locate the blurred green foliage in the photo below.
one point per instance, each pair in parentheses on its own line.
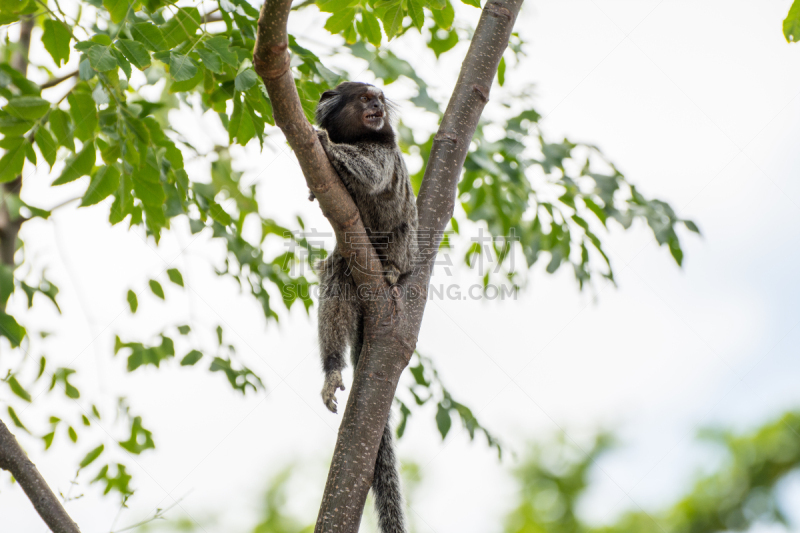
(737,495)
(554,477)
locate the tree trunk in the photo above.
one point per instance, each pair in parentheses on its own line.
(392,322)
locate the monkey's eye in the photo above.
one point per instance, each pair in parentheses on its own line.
(364,99)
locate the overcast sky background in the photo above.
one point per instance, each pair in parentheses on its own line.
(696,102)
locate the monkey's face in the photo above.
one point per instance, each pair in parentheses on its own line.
(372,108)
(355,112)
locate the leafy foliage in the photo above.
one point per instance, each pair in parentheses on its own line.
(107,127)
(428,387)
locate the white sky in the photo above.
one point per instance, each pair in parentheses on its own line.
(696,102)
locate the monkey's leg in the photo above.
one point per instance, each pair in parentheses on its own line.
(338,317)
(386,486)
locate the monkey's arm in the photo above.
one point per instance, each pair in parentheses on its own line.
(372,168)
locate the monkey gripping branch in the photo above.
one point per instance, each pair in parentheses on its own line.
(392,318)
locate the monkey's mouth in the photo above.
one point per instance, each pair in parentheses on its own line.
(377,115)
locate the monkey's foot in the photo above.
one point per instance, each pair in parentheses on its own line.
(392,274)
(333,381)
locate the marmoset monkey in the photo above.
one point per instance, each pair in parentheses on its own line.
(358,138)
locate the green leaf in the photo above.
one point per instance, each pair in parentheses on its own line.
(101,58)
(791,25)
(335,6)
(149,35)
(501,72)
(245,79)
(140,439)
(79,165)
(30,153)
(56,37)
(219,214)
(691,226)
(6,284)
(340,20)
(443,421)
(221,46)
(241,125)
(61,128)
(123,201)
(393,19)
(91,456)
(188,85)
(48,439)
(416,13)
(181,67)
(444,17)
(675,249)
(405,412)
(134,52)
(210,60)
(419,375)
(118,9)
(175,276)
(73,436)
(103,185)
(27,107)
(11,126)
(184,330)
(83,111)
(474,3)
(47,145)
(110,153)
(156,288)
(133,301)
(370,28)
(439,45)
(17,389)
(11,330)
(148,188)
(13,160)
(191,358)
(14,418)
(182,27)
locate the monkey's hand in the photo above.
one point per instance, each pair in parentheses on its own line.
(333,381)
(322,135)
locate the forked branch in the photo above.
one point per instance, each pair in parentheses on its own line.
(390,331)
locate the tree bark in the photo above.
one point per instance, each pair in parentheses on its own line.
(392,321)
(13,459)
(12,456)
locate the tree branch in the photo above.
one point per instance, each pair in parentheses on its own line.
(12,456)
(55,81)
(391,324)
(437,193)
(271,62)
(13,459)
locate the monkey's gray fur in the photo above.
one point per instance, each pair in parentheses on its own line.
(358,138)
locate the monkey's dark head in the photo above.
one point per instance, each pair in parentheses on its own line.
(355,112)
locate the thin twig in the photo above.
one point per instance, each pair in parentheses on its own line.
(56,81)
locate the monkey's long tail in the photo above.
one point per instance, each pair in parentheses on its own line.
(386,486)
